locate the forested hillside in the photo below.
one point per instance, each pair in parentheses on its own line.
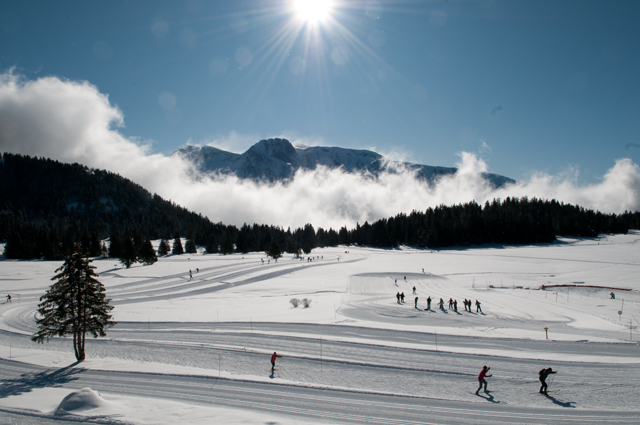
(47,206)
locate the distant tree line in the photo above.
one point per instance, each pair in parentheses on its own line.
(47,207)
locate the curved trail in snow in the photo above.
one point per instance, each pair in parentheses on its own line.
(318,404)
(339,373)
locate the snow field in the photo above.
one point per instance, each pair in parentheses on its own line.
(235,311)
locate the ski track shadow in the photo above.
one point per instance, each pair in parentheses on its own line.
(47,378)
(562,403)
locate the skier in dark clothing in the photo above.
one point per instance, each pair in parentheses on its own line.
(481,380)
(428,304)
(414,290)
(450,303)
(543,376)
(402,296)
(465,304)
(455,305)
(416,300)
(8,298)
(273,361)
(612,296)
(441,304)
(478,309)
(398,297)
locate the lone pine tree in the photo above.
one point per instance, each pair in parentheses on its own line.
(147,253)
(177,245)
(75,305)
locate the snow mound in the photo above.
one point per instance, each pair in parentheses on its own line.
(81,401)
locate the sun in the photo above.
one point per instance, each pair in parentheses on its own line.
(312,11)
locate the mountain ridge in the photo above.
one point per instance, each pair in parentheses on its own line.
(277,159)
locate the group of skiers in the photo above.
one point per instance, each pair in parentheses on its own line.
(453,304)
(542,376)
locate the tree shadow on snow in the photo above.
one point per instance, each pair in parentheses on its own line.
(562,403)
(47,378)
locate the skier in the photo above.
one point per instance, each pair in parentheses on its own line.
(8,298)
(402,297)
(197,270)
(273,361)
(190,275)
(543,376)
(441,304)
(455,305)
(481,380)
(416,301)
(478,309)
(414,290)
(423,270)
(428,304)
(612,296)
(465,304)
(398,297)
(450,303)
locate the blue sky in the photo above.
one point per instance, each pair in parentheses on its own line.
(526,85)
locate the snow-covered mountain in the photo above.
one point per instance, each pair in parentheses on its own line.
(278,160)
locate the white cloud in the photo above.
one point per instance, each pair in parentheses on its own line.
(73,122)
(232,141)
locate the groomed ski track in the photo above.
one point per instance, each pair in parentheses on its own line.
(332,406)
(350,372)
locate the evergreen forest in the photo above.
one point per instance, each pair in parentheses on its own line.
(46,207)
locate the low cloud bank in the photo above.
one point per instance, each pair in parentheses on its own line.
(73,122)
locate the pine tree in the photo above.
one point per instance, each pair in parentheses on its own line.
(212,246)
(128,254)
(75,305)
(177,246)
(190,247)
(95,245)
(274,250)
(147,253)
(226,246)
(115,245)
(163,248)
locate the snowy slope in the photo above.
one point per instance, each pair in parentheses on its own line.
(278,160)
(355,355)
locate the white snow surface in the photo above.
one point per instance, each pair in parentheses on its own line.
(197,350)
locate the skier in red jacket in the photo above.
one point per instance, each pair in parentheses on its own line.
(273,361)
(481,380)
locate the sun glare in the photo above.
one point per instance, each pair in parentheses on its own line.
(312,11)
